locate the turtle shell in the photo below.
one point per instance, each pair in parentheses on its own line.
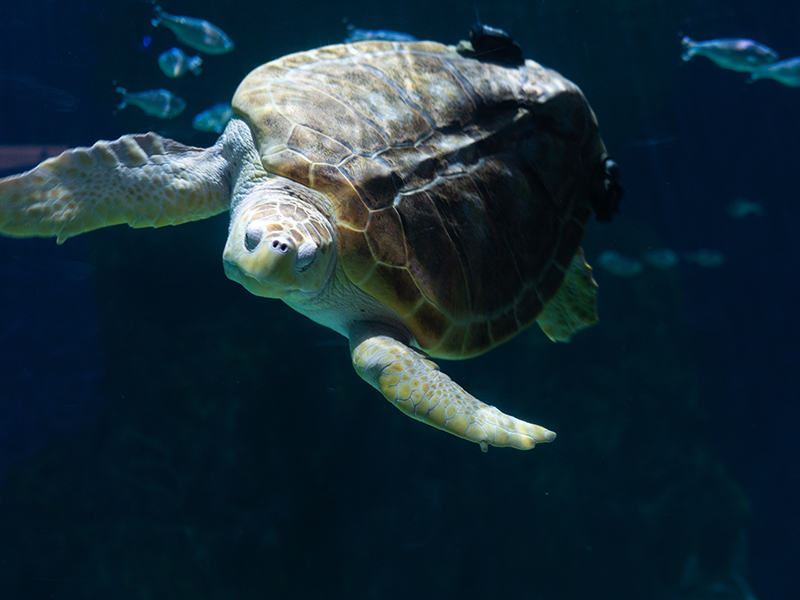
(460,189)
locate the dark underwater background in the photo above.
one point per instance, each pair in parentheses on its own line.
(164,434)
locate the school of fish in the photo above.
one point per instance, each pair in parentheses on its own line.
(199,35)
(735,54)
(745,56)
(622,265)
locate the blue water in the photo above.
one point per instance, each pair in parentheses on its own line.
(165,434)
(52,360)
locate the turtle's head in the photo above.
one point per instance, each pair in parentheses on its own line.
(280,245)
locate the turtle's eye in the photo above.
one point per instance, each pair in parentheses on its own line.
(252,238)
(306,254)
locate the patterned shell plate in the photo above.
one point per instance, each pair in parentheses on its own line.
(460,189)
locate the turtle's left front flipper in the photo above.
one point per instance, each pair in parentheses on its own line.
(416,386)
(142,180)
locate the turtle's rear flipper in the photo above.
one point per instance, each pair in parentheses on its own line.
(142,180)
(574,306)
(416,386)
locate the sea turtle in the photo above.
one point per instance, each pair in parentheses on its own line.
(422,200)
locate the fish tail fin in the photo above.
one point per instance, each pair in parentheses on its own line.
(689,46)
(156,21)
(195,65)
(124,101)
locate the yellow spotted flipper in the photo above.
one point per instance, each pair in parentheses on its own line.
(416,386)
(142,180)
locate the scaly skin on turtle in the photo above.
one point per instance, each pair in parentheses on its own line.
(419,202)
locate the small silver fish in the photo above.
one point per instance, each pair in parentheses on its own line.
(661,258)
(362,35)
(620,265)
(174,63)
(195,33)
(786,72)
(741,207)
(706,258)
(157,103)
(213,119)
(735,54)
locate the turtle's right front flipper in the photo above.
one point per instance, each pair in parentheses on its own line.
(416,386)
(142,180)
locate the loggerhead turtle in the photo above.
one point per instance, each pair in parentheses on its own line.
(418,198)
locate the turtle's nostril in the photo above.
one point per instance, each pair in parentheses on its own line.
(280,246)
(252,238)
